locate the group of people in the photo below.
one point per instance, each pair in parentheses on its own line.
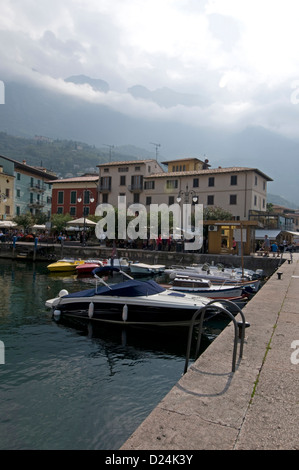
(276,249)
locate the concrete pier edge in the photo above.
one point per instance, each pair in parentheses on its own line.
(254,408)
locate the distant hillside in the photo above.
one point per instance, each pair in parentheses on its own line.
(65,157)
(280,201)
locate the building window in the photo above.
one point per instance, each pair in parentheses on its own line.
(60,197)
(86,196)
(210,200)
(255,200)
(137,168)
(105,198)
(233,199)
(18,193)
(171,184)
(255,180)
(59,210)
(18,176)
(18,210)
(73,197)
(148,200)
(170,200)
(105,183)
(136,198)
(72,211)
(106,170)
(123,169)
(122,180)
(264,203)
(149,185)
(233,180)
(211,181)
(195,182)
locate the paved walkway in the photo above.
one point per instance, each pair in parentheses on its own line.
(257,407)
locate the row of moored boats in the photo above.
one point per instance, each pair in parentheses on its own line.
(190,289)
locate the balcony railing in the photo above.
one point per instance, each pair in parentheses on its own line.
(37,188)
(104,188)
(36,204)
(137,187)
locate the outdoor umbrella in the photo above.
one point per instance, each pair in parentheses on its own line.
(82,222)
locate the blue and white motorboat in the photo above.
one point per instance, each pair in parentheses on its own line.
(130,302)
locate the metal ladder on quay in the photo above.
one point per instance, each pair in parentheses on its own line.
(239,330)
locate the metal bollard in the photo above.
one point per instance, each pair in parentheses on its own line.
(279,275)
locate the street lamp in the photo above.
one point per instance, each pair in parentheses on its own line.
(186,195)
(86,200)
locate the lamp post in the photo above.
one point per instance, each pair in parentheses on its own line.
(186,194)
(86,201)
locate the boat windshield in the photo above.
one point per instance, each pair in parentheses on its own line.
(131,288)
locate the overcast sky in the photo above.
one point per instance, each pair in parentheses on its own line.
(240,56)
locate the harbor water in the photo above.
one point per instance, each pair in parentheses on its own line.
(72,386)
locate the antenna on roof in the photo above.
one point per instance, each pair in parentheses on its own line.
(110,150)
(156,145)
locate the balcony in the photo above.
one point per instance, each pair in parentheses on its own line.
(104,188)
(37,188)
(135,188)
(36,204)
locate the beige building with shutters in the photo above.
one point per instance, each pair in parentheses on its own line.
(235,189)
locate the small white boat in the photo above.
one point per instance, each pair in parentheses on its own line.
(143,268)
(121,263)
(206,288)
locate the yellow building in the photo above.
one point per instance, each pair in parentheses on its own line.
(222,234)
(6,195)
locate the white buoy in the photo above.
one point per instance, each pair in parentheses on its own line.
(125,313)
(57,314)
(63,292)
(91,309)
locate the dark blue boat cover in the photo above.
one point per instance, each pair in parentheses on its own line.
(132,288)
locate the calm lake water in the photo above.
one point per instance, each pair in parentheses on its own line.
(69,387)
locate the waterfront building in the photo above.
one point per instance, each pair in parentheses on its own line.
(77,196)
(29,188)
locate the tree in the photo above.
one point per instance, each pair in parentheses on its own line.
(26,221)
(59,221)
(216,213)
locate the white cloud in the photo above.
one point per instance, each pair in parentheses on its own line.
(242,56)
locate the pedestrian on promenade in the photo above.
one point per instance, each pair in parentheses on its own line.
(266,245)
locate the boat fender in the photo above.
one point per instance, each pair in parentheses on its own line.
(90,310)
(56,314)
(62,293)
(125,313)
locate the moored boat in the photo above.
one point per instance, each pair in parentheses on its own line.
(143,268)
(131,302)
(88,266)
(65,265)
(205,287)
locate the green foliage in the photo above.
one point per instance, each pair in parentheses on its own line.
(63,157)
(216,213)
(26,221)
(59,221)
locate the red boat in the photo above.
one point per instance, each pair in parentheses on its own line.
(88,266)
